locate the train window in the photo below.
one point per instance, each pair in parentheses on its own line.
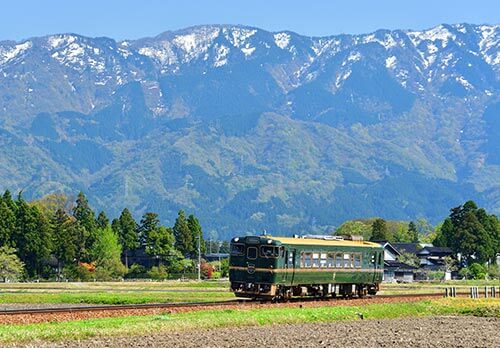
(380,259)
(252,253)
(268,251)
(338,261)
(322,260)
(237,249)
(315,259)
(330,260)
(357,260)
(347,260)
(282,251)
(307,259)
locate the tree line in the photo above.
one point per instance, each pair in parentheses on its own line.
(469,231)
(56,237)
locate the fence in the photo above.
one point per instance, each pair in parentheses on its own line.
(475,292)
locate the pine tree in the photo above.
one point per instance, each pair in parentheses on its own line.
(160,243)
(183,237)
(7,224)
(7,198)
(85,217)
(149,223)
(196,232)
(412,231)
(102,221)
(64,234)
(127,233)
(32,237)
(379,230)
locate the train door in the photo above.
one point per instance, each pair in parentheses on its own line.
(290,265)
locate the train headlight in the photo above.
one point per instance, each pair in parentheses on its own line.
(236,239)
(269,241)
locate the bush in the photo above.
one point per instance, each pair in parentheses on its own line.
(158,273)
(436,275)
(207,270)
(477,271)
(136,271)
(78,272)
(494,271)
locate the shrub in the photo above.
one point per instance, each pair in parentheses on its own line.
(158,273)
(207,270)
(478,271)
(136,271)
(78,272)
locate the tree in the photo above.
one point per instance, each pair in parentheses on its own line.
(32,237)
(354,228)
(102,221)
(64,234)
(183,237)
(409,259)
(127,232)
(379,230)
(85,217)
(149,223)
(471,232)
(413,232)
(11,267)
(106,252)
(7,223)
(160,243)
(196,233)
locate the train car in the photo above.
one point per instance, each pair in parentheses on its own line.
(266,267)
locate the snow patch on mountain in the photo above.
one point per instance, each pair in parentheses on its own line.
(390,62)
(7,55)
(439,33)
(282,40)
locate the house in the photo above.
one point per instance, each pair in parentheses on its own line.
(394,270)
(433,258)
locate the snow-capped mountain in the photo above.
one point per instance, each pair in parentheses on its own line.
(374,107)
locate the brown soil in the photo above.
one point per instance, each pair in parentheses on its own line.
(425,332)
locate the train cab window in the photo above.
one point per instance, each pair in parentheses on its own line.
(315,260)
(252,253)
(347,260)
(268,251)
(322,260)
(357,260)
(307,259)
(338,261)
(330,261)
(237,249)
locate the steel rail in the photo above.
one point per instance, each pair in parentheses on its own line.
(197,305)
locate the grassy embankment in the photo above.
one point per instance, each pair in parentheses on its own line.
(143,325)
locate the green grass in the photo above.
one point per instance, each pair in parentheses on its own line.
(113,297)
(114,292)
(213,319)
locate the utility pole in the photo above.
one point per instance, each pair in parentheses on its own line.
(199,258)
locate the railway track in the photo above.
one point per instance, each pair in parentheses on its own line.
(196,305)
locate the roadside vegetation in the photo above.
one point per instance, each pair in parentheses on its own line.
(143,325)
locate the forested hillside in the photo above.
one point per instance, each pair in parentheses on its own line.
(257,130)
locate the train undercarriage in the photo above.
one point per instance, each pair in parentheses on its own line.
(280,292)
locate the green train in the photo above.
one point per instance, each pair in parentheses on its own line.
(279,268)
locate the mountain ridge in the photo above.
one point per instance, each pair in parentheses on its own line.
(213,112)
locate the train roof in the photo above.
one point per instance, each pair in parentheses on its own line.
(324,242)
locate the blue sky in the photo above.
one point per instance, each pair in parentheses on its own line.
(127,19)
